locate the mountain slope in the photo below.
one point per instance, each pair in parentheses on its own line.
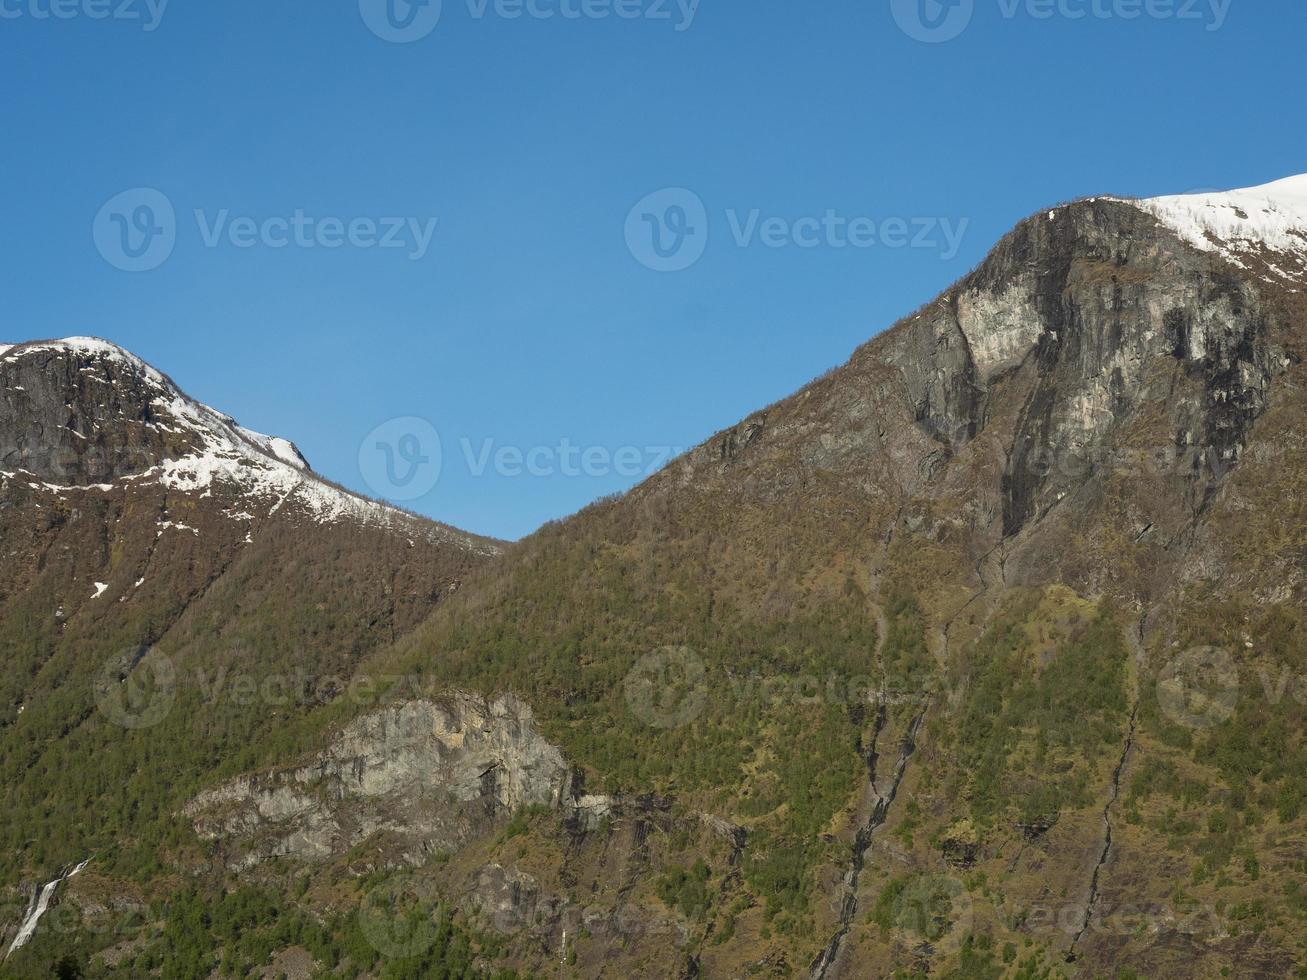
(1017,518)
(976,657)
(158,561)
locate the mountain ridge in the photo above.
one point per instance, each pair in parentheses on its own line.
(218,448)
(983,547)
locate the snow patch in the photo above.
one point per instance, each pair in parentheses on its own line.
(1235,223)
(262,468)
(277,447)
(99,589)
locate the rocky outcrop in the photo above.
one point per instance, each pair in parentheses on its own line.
(82,411)
(1079,314)
(84,414)
(423,777)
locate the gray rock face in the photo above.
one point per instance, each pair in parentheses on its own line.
(1096,378)
(83,411)
(427,775)
(1074,312)
(82,417)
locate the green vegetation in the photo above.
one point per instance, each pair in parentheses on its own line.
(238,933)
(1038,715)
(686,891)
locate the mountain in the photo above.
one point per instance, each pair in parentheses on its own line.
(1050,522)
(146,534)
(979,656)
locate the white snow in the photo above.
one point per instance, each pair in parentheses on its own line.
(1234,223)
(57,488)
(282,449)
(85,345)
(164,525)
(35,911)
(261,467)
(99,589)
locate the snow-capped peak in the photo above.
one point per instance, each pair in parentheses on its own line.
(84,345)
(214,449)
(202,419)
(1272,217)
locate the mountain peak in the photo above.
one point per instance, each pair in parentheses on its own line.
(1246,221)
(82,413)
(91,352)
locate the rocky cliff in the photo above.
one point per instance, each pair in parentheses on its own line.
(160,562)
(1014,518)
(428,776)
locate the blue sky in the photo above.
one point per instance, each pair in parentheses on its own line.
(820,140)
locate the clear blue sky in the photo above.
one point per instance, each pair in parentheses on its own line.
(529,321)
